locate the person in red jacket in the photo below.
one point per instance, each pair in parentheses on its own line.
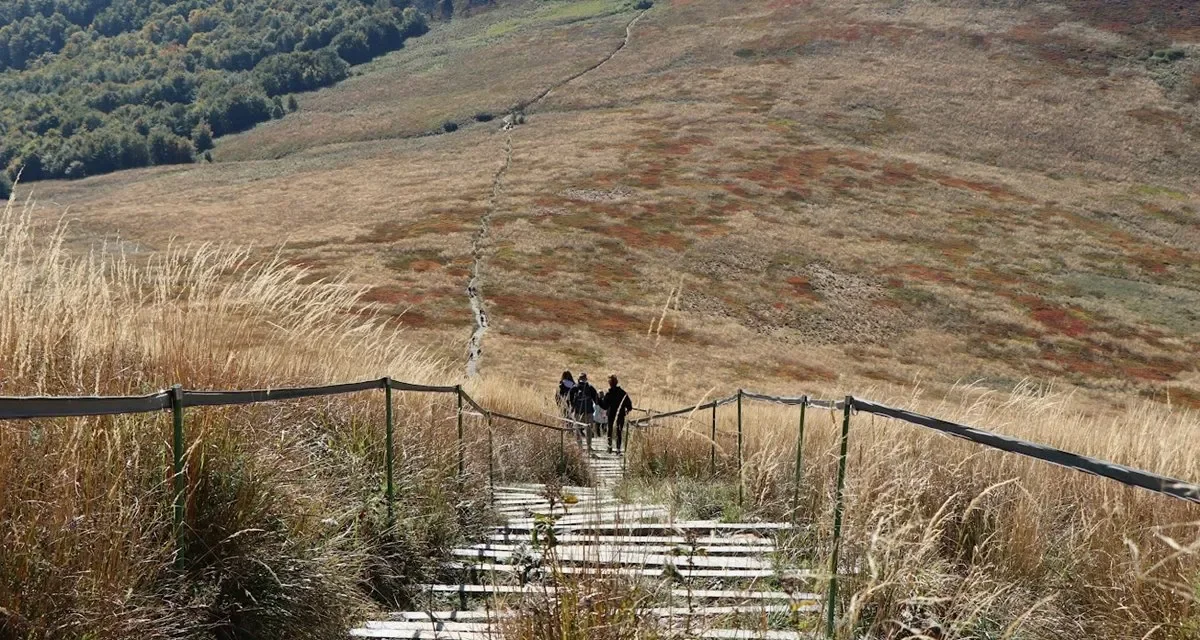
(618,405)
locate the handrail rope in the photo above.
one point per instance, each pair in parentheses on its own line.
(22,408)
(1111,470)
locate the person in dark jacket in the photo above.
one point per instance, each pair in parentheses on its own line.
(563,397)
(583,403)
(618,404)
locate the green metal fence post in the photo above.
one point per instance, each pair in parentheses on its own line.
(799,461)
(837,518)
(712,447)
(741,488)
(390,454)
(461,444)
(179,478)
(491,464)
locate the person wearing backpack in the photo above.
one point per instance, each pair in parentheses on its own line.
(618,404)
(583,404)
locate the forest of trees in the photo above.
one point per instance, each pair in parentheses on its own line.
(94,86)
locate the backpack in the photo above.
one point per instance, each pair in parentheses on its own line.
(581,398)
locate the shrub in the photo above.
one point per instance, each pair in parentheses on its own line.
(484,116)
(6,186)
(642,5)
(75,170)
(449,126)
(202,137)
(168,148)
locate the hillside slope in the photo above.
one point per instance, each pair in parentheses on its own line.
(775,192)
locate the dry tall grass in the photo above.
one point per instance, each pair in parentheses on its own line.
(286,530)
(948,540)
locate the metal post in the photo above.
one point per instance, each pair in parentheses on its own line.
(390,454)
(741,488)
(179,479)
(491,465)
(837,518)
(712,447)
(461,445)
(799,461)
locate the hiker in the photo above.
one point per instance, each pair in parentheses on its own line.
(618,405)
(563,397)
(600,415)
(583,404)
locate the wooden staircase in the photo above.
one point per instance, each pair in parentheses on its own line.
(717,579)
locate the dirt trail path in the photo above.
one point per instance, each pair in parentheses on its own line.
(482,236)
(624,43)
(478,247)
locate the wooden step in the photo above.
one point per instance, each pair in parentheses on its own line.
(679,549)
(626,556)
(573,538)
(697,525)
(636,570)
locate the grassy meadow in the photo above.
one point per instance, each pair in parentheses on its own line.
(982,211)
(286,533)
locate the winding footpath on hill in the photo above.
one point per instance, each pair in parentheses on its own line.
(478,247)
(483,234)
(703,578)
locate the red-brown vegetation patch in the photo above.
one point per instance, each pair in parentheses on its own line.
(1157,117)
(637,237)
(1069,56)
(578,313)
(801,287)
(895,174)
(927,274)
(1078,361)
(683,146)
(1068,322)
(390,294)
(994,191)
(1184,397)
(995,279)
(415,319)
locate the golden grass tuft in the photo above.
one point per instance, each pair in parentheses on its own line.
(944,538)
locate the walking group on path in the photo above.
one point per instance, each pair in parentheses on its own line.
(594,412)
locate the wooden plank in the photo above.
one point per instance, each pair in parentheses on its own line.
(749,634)
(436,625)
(572,538)
(463,589)
(453,616)
(733,594)
(685,572)
(681,549)
(627,556)
(421,634)
(702,525)
(597,519)
(427,617)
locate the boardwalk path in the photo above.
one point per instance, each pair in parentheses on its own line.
(711,574)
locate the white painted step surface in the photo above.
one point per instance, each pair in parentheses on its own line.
(679,549)
(573,538)
(629,556)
